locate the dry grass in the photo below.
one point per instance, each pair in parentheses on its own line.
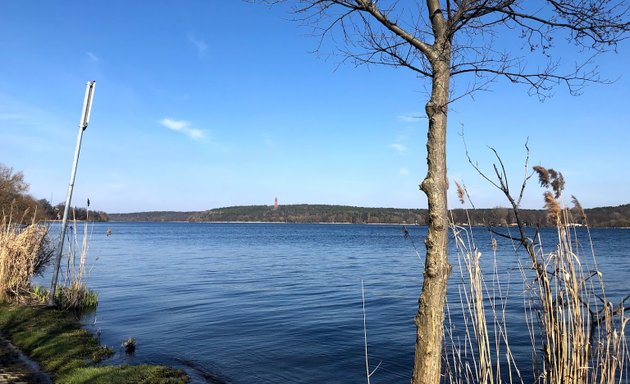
(73,293)
(23,253)
(577,336)
(579,333)
(478,348)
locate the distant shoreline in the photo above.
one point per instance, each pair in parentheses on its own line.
(259,222)
(616,217)
(324,223)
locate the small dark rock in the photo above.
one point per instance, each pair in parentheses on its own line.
(129,345)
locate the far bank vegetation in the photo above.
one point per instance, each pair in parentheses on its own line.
(19,207)
(306,213)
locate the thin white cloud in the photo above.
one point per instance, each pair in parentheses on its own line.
(404,172)
(93,57)
(14,113)
(199,44)
(400,148)
(184,127)
(413,118)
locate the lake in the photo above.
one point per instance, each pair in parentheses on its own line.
(281,303)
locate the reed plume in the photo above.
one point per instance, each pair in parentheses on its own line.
(543,176)
(558,184)
(461,192)
(577,207)
(552,206)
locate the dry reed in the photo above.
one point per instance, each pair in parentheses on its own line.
(74,294)
(576,335)
(24,251)
(477,335)
(581,335)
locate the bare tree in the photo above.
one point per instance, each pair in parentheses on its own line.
(16,205)
(442,39)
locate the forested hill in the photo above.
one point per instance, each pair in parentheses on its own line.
(304,213)
(152,216)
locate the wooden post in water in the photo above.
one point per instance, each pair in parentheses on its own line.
(85,117)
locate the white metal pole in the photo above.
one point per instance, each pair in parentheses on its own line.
(85,117)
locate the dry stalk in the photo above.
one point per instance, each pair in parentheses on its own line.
(481,352)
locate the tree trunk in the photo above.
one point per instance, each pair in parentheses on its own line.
(430,316)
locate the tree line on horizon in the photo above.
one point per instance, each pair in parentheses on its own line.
(19,207)
(618,216)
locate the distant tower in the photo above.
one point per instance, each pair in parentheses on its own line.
(275,204)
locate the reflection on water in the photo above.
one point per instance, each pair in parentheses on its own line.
(281,303)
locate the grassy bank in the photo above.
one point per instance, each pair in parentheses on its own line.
(70,354)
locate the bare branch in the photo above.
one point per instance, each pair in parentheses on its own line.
(412,34)
(527,176)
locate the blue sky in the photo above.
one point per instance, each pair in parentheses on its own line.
(205,104)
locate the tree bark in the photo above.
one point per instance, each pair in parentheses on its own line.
(430,316)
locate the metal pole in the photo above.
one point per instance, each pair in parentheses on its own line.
(85,117)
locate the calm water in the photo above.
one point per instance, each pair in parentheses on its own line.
(281,303)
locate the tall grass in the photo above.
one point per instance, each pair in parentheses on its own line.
(74,292)
(477,347)
(577,336)
(24,252)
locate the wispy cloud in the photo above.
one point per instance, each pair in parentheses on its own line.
(199,44)
(29,129)
(403,172)
(411,118)
(184,127)
(93,57)
(30,119)
(400,148)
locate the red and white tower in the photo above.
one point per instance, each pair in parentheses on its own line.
(275,204)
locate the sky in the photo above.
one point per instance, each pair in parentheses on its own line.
(207,104)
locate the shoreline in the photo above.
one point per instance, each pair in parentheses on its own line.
(15,366)
(68,353)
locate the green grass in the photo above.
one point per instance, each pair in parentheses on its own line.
(70,354)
